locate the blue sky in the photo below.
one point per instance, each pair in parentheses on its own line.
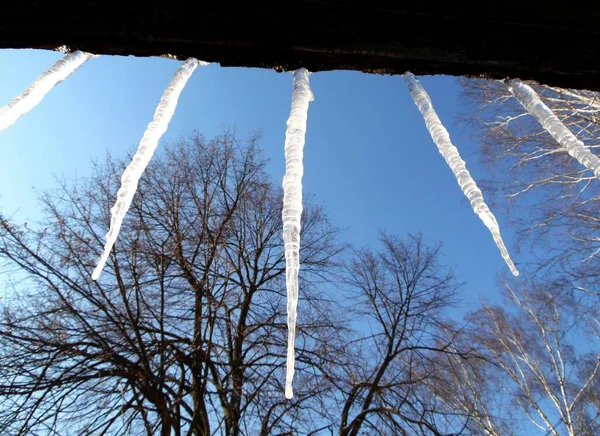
(368,157)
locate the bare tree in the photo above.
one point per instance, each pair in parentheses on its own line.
(540,364)
(184,333)
(399,293)
(555,200)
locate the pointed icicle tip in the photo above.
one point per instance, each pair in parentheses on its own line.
(292,207)
(467,184)
(148,144)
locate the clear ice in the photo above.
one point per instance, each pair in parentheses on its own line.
(530,100)
(29,98)
(292,207)
(132,174)
(457,165)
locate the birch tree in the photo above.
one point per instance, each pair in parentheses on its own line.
(553,198)
(539,363)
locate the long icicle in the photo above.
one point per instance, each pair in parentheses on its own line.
(457,165)
(292,207)
(530,100)
(29,98)
(132,174)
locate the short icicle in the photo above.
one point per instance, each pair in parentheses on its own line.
(457,165)
(132,174)
(30,98)
(292,207)
(532,103)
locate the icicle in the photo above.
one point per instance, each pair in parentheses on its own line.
(457,165)
(132,174)
(532,103)
(292,207)
(29,99)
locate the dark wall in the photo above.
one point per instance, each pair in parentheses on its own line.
(557,45)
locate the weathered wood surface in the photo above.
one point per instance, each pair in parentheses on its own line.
(557,45)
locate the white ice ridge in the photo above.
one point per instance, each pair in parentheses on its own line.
(549,121)
(292,207)
(457,165)
(132,174)
(29,99)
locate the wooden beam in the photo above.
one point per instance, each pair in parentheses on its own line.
(556,45)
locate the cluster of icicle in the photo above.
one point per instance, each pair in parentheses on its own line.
(294,150)
(549,121)
(29,98)
(132,174)
(457,165)
(62,69)
(292,207)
